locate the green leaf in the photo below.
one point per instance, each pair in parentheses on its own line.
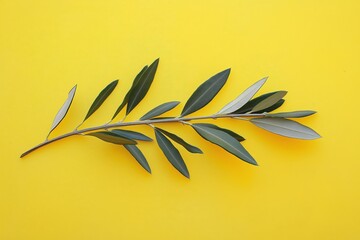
(171,153)
(131,135)
(231,133)
(285,127)
(224,140)
(112,138)
(160,110)
(63,110)
(142,86)
(295,114)
(103,95)
(243,98)
(205,92)
(252,103)
(269,101)
(126,98)
(139,156)
(180,141)
(273,107)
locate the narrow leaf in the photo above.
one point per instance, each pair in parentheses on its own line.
(231,133)
(103,95)
(285,127)
(205,92)
(253,102)
(142,87)
(131,135)
(126,98)
(269,101)
(295,114)
(160,110)
(171,153)
(180,141)
(63,110)
(224,140)
(139,156)
(112,138)
(273,107)
(243,98)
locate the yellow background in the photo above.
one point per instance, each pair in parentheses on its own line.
(82,188)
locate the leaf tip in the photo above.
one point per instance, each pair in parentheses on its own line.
(317,136)
(263,80)
(227,72)
(115,82)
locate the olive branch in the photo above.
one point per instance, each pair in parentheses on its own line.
(244,107)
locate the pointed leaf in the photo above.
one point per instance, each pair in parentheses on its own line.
(205,92)
(139,156)
(63,110)
(243,98)
(180,141)
(285,127)
(126,98)
(103,95)
(112,138)
(224,140)
(252,103)
(273,107)
(231,133)
(142,87)
(160,110)
(295,114)
(171,153)
(269,101)
(131,135)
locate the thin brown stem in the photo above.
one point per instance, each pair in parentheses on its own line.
(143,122)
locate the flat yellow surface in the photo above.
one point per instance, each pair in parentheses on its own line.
(82,188)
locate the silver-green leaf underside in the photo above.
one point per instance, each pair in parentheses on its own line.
(205,92)
(243,98)
(269,101)
(224,140)
(142,86)
(112,138)
(171,153)
(163,108)
(286,128)
(295,114)
(139,156)
(126,98)
(63,110)
(103,95)
(180,141)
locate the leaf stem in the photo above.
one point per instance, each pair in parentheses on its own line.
(139,122)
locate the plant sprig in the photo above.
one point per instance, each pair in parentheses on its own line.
(243,107)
